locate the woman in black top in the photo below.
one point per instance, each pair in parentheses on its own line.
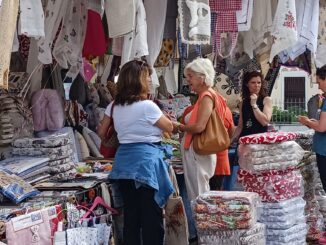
(256,106)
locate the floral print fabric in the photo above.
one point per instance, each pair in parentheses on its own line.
(273,185)
(268,138)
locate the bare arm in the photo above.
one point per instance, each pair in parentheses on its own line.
(204,112)
(264,117)
(317,125)
(164,124)
(103,126)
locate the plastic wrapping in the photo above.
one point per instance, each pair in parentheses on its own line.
(221,210)
(253,236)
(282,208)
(295,233)
(273,185)
(254,158)
(284,225)
(15,188)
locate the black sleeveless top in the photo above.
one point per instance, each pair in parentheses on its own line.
(250,124)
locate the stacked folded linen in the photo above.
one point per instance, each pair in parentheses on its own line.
(269,166)
(228,218)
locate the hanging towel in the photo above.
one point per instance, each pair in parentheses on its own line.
(195,21)
(120,16)
(261,23)
(31,21)
(321,48)
(307,27)
(244,15)
(284,28)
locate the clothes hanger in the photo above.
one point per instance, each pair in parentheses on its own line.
(98,201)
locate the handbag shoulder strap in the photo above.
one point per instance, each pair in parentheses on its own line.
(216,97)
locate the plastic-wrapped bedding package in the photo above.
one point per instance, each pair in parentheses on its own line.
(252,236)
(268,138)
(222,210)
(294,233)
(15,188)
(273,185)
(286,207)
(260,157)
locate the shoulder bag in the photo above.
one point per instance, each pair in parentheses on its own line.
(110,144)
(215,137)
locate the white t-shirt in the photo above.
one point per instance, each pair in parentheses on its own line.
(135,123)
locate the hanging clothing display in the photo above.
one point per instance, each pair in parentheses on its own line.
(261,23)
(284,30)
(135,43)
(307,27)
(195,20)
(244,15)
(54,13)
(68,47)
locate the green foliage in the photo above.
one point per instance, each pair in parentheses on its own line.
(287,116)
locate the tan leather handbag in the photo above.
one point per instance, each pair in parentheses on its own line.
(215,137)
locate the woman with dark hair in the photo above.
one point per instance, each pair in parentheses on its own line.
(139,168)
(319,125)
(256,106)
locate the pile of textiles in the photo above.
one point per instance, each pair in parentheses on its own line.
(30,169)
(314,217)
(228,218)
(269,166)
(57,147)
(15,188)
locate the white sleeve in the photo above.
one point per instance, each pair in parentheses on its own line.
(108,110)
(152,112)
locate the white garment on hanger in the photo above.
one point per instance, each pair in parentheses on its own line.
(68,48)
(244,15)
(284,27)
(120,16)
(260,24)
(54,14)
(135,43)
(155,17)
(31,21)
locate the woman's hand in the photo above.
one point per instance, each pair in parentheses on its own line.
(253,99)
(304,120)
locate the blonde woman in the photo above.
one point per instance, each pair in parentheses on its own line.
(198,169)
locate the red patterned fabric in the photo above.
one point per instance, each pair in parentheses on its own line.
(225,21)
(268,138)
(273,185)
(225,5)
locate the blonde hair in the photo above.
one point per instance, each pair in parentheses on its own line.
(204,67)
